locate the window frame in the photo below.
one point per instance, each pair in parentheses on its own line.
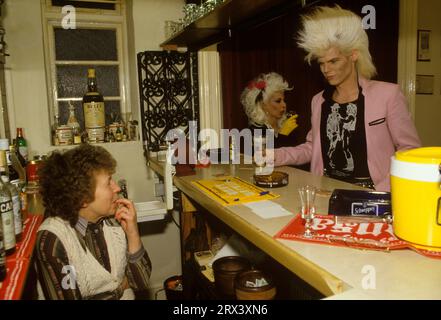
(90,19)
(119,7)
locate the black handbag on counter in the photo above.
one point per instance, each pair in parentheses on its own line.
(360,203)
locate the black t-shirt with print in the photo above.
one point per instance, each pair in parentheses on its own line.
(343,138)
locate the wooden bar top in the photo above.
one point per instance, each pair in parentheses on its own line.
(337,272)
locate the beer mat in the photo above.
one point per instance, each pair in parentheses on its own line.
(361,235)
(230,190)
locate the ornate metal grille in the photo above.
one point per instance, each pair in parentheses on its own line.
(168,89)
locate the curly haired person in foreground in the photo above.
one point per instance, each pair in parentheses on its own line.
(88,247)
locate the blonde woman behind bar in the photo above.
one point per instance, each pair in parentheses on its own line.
(264,103)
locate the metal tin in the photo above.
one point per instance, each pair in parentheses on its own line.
(95,134)
(64,135)
(113,127)
(274,180)
(32,171)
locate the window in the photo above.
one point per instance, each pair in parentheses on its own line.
(108,5)
(98,39)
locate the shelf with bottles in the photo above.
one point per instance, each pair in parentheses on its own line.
(119,127)
(86,115)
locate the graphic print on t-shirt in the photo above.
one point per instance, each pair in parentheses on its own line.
(339,129)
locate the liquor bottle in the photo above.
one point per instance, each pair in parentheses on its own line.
(118,134)
(73,123)
(54,130)
(2,255)
(21,144)
(16,207)
(11,178)
(14,164)
(93,107)
(13,174)
(18,155)
(6,209)
(21,183)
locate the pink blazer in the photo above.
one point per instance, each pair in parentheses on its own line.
(388,124)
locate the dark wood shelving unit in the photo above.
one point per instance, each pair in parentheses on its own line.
(225,18)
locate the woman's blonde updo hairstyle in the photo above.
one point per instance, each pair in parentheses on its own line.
(258,92)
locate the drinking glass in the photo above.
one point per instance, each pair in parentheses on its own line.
(307,198)
(290,113)
(259,145)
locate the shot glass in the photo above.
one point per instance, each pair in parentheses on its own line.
(307,198)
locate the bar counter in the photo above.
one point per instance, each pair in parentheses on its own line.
(20,262)
(337,272)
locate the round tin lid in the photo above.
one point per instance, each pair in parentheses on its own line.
(273,180)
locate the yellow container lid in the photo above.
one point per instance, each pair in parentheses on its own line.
(429,155)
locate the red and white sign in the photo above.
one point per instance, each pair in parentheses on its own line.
(361,235)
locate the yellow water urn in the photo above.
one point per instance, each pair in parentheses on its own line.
(416,197)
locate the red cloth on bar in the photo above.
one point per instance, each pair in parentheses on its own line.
(363,235)
(18,263)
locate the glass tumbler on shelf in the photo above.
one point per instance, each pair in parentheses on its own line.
(307,198)
(168,29)
(190,11)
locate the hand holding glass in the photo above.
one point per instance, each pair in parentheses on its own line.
(289,124)
(307,198)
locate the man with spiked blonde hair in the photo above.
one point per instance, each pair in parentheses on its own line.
(374,121)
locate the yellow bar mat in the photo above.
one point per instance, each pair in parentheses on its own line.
(233,190)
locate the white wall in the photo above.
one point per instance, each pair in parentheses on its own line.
(28,106)
(148,18)
(428,107)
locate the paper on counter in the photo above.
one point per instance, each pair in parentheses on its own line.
(268,209)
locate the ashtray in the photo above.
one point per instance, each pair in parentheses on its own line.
(274,180)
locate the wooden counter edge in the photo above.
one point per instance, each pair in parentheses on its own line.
(320,279)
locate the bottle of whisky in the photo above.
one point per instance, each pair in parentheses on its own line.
(93,106)
(16,207)
(54,133)
(14,165)
(6,209)
(21,144)
(118,134)
(73,123)
(12,179)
